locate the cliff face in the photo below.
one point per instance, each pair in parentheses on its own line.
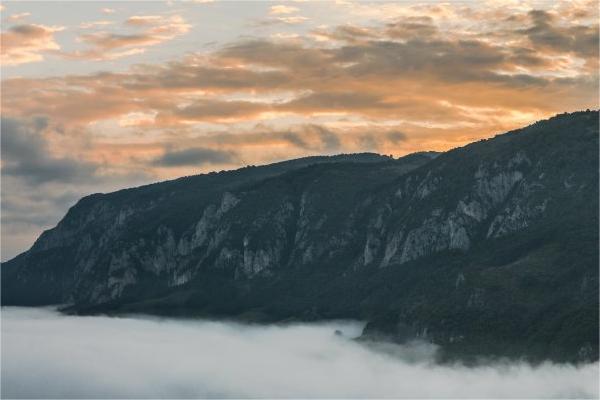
(486,249)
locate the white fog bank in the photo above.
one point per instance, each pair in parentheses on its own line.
(48,355)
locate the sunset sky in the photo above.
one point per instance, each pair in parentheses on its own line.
(98,96)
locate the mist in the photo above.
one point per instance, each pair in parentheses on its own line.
(49,355)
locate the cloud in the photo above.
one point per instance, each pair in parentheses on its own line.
(144,20)
(111,41)
(27,43)
(107,10)
(346,33)
(194,157)
(292,20)
(39,184)
(130,357)
(281,20)
(19,16)
(313,137)
(25,154)
(44,171)
(280,14)
(155,29)
(282,9)
(20,210)
(546,33)
(412,27)
(27,210)
(407,69)
(396,136)
(95,24)
(213,110)
(336,101)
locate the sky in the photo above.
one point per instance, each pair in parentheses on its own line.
(97,96)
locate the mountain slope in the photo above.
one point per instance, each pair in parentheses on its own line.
(489,249)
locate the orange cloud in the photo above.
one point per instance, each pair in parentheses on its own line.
(22,44)
(281,14)
(282,9)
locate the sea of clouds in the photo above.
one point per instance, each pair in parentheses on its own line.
(49,355)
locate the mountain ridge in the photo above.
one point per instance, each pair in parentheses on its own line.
(487,249)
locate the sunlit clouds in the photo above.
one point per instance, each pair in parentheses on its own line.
(27,43)
(170,97)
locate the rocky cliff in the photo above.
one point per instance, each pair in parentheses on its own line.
(488,249)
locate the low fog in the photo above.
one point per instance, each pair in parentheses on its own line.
(45,354)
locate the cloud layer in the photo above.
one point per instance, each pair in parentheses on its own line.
(49,355)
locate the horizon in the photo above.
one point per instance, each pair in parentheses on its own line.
(113,95)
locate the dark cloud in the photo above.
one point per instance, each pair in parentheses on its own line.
(412,27)
(336,101)
(348,33)
(396,136)
(109,41)
(25,154)
(328,140)
(194,156)
(187,75)
(546,33)
(368,142)
(28,209)
(445,60)
(296,139)
(289,55)
(28,30)
(310,139)
(41,208)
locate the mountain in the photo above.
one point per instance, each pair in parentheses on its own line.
(487,250)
